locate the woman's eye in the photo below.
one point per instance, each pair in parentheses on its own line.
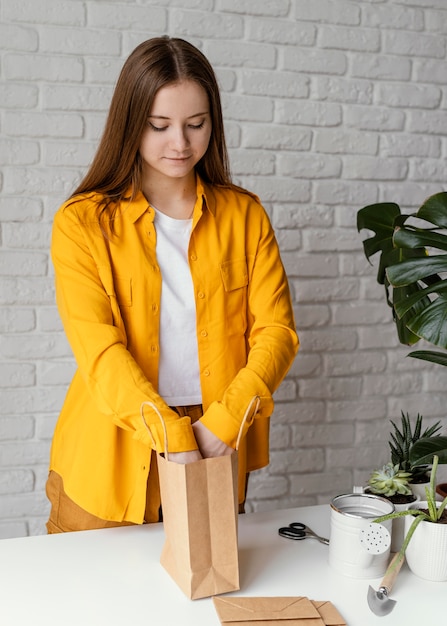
(197,126)
(158,129)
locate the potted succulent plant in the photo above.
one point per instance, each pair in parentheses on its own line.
(401,442)
(392,483)
(402,481)
(398,479)
(425,542)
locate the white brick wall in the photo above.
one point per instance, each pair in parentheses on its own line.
(330,105)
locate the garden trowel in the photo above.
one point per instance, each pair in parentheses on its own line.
(379,601)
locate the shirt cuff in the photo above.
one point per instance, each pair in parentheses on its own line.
(179,435)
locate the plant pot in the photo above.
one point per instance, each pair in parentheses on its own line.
(426,553)
(441,489)
(418,489)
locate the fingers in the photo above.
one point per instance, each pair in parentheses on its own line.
(209,444)
(185,457)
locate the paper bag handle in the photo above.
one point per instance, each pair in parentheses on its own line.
(165,434)
(255,400)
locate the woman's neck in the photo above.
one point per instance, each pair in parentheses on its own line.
(175,198)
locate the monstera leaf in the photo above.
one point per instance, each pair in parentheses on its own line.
(412,266)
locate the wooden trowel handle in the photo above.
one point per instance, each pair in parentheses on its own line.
(391,573)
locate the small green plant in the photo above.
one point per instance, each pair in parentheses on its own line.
(390,481)
(433,513)
(402,441)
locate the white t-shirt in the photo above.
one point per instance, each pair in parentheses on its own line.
(179,378)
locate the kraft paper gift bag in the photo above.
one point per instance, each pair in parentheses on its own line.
(200,517)
(276,611)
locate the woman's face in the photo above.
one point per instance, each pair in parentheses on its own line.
(178,132)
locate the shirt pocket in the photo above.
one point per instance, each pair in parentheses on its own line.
(234,274)
(123,290)
(118,287)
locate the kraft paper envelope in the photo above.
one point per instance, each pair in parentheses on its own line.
(276,611)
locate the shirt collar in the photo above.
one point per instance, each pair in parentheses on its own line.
(205,191)
(135,208)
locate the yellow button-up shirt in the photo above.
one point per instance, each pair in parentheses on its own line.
(108,293)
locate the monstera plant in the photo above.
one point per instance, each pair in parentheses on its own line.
(413,269)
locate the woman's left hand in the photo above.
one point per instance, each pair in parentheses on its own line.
(209,444)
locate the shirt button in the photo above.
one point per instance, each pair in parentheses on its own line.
(204,333)
(206,373)
(201,294)
(153,348)
(193,257)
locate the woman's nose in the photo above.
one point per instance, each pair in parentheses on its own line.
(180,139)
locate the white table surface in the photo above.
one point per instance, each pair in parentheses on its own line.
(113,577)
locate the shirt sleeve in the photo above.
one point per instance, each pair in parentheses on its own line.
(272,340)
(98,341)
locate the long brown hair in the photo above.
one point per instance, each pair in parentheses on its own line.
(154,64)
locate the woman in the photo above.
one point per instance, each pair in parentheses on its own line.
(171,290)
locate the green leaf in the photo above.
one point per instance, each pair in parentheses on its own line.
(388,257)
(405,304)
(401,295)
(423,450)
(431,323)
(430,355)
(378,218)
(430,492)
(442,507)
(407,238)
(434,209)
(430,432)
(412,270)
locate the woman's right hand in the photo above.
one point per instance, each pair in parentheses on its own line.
(185,457)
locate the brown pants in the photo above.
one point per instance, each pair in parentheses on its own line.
(67,516)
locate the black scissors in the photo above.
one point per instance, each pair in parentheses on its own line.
(297,531)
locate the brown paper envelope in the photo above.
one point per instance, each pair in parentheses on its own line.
(329,614)
(288,611)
